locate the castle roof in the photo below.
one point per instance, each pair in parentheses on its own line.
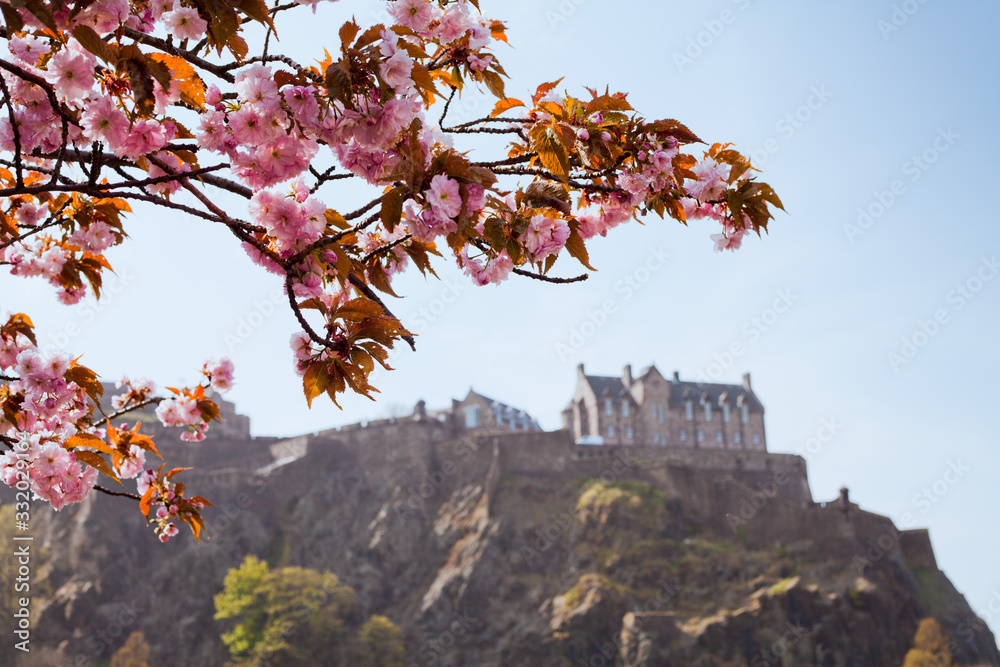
(700,392)
(502,410)
(603,386)
(680,391)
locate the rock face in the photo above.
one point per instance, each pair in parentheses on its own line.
(522,549)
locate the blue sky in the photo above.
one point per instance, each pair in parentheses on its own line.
(848,107)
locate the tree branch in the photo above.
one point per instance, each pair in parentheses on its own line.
(367,291)
(167,47)
(120,494)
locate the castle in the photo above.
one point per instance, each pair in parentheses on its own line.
(650,410)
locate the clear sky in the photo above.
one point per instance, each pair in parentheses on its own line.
(874,121)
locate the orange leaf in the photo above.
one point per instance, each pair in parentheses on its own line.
(315,381)
(87,440)
(147,499)
(505,104)
(95,460)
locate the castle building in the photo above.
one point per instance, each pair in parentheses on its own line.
(653,411)
(476,412)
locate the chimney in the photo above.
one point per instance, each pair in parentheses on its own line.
(579,370)
(420,411)
(627,379)
(746,382)
(677,377)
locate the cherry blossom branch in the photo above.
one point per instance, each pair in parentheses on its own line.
(138,406)
(483,130)
(167,47)
(548,175)
(384,249)
(518,159)
(18,166)
(159,201)
(447,105)
(326,176)
(111,160)
(489,119)
(367,291)
(223,216)
(43,84)
(536,276)
(297,311)
(63,141)
(283,59)
(120,494)
(328,241)
(364,209)
(99,187)
(34,230)
(549,279)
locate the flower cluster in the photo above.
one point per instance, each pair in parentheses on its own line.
(157,488)
(115,89)
(45,403)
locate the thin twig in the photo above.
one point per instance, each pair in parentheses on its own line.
(367,291)
(120,494)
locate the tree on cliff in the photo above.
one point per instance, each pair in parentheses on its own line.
(930,647)
(115,104)
(134,653)
(297,616)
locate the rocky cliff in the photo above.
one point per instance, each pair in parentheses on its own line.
(510,550)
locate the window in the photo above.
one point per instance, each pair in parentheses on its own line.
(611,431)
(656,438)
(738,437)
(684,435)
(629,432)
(756,438)
(718,437)
(701,436)
(708,412)
(689,410)
(609,407)
(625,409)
(472,417)
(660,413)
(725,412)
(745,414)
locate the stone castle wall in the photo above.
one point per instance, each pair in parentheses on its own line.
(761,498)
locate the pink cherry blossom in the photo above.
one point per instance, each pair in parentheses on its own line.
(413,14)
(712,179)
(545,237)
(395,71)
(219,371)
(71,73)
(444,196)
(184,23)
